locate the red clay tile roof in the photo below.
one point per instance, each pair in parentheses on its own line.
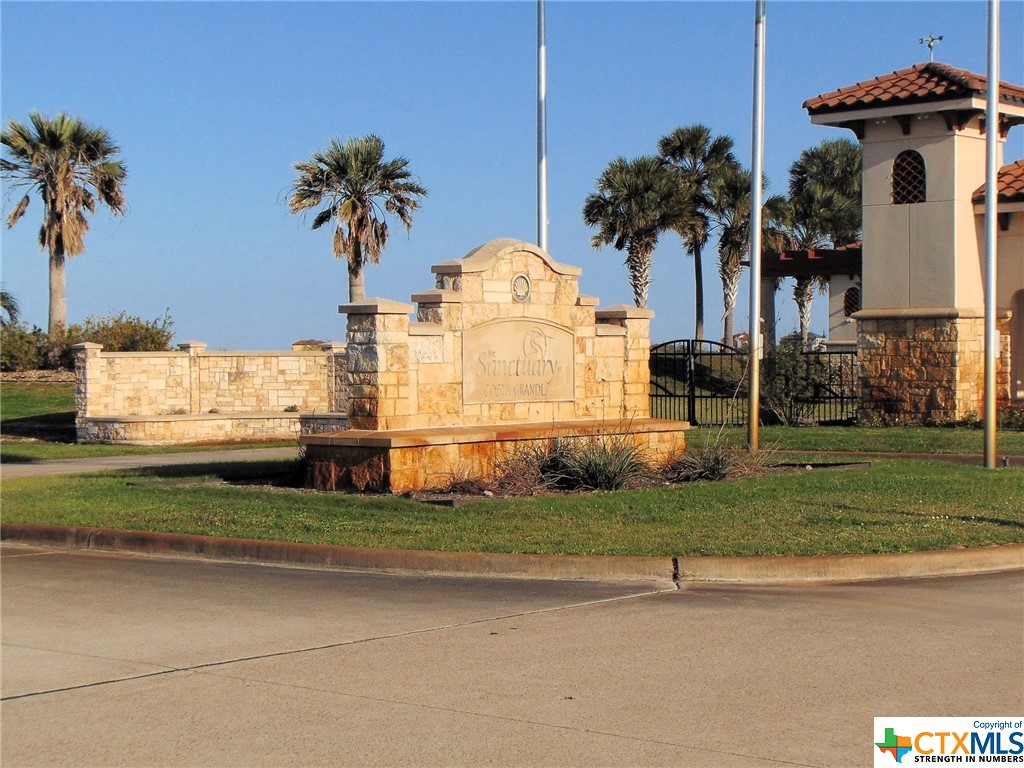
(931,81)
(1009,182)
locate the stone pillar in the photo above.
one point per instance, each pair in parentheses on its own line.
(337,389)
(87,380)
(377,376)
(194,349)
(636,383)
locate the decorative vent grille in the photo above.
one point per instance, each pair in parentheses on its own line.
(851,301)
(908,178)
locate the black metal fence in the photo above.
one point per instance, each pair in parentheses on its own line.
(705,382)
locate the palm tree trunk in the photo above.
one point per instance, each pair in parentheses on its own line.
(730,287)
(58,320)
(639,263)
(803,294)
(356,288)
(698,297)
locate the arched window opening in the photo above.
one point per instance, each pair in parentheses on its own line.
(908,178)
(851,301)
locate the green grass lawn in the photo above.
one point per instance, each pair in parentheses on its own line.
(893,506)
(20,400)
(870,439)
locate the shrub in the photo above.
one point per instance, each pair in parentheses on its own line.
(791,380)
(22,348)
(1012,418)
(120,333)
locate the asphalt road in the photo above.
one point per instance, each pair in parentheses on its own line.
(113,659)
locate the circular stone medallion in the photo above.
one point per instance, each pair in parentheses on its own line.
(521,287)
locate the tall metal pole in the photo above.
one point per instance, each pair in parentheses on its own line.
(542,132)
(991,201)
(756,172)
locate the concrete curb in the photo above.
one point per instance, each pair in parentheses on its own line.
(680,570)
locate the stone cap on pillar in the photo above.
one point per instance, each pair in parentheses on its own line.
(624,312)
(438,296)
(192,346)
(376,307)
(86,346)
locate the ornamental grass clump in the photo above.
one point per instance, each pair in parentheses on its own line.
(592,463)
(713,461)
(718,460)
(605,463)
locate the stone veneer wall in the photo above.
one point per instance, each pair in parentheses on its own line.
(407,375)
(1005,367)
(409,461)
(192,395)
(917,369)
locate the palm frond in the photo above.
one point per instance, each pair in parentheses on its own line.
(17,212)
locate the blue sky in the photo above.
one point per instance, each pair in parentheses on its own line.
(212,103)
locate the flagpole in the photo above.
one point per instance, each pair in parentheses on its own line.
(991,201)
(756,172)
(542,132)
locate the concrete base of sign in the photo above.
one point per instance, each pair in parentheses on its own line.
(398,461)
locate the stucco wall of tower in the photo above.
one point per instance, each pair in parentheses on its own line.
(923,255)
(1010,260)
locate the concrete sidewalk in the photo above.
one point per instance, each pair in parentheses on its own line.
(12,471)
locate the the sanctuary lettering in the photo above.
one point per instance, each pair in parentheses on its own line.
(518,361)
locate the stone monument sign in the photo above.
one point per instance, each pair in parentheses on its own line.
(503,351)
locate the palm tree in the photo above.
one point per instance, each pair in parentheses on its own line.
(72,165)
(832,173)
(696,158)
(9,307)
(806,219)
(824,209)
(729,197)
(636,200)
(357,188)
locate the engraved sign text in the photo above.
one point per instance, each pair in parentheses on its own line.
(517,361)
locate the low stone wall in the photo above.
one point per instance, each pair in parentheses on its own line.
(191,395)
(203,428)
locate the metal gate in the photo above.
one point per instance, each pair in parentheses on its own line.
(705,383)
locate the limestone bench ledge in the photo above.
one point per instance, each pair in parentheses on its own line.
(407,438)
(213,416)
